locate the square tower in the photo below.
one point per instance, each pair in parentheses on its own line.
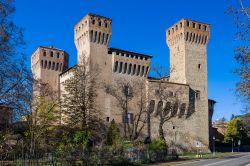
(47,64)
(92,34)
(187,41)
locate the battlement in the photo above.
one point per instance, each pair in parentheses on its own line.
(189,31)
(94,29)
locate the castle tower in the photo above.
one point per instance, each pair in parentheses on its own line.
(47,64)
(92,35)
(187,40)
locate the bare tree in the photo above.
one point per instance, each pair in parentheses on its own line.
(241,14)
(131,98)
(173,99)
(78,101)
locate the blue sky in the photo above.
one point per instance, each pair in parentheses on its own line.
(139,25)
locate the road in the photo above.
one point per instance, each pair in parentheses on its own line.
(242,159)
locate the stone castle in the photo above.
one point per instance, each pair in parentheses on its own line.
(187,40)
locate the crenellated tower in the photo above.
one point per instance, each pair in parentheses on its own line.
(47,64)
(187,40)
(92,35)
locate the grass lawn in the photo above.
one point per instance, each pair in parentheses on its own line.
(206,155)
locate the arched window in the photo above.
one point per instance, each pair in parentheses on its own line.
(103,36)
(107,36)
(138,70)
(53,65)
(44,53)
(167,109)
(99,37)
(91,36)
(196,40)
(175,109)
(116,66)
(190,37)
(49,65)
(134,69)
(95,36)
(45,64)
(125,68)
(151,106)
(100,23)
(58,55)
(51,53)
(187,36)
(142,71)
(93,21)
(129,68)
(57,66)
(106,25)
(41,65)
(159,108)
(120,67)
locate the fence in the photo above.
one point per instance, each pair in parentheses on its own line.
(127,157)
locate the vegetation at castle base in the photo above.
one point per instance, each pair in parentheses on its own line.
(241,14)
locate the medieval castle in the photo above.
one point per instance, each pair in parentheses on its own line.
(187,40)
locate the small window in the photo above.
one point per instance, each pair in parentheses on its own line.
(58,55)
(181,24)
(168,32)
(173,127)
(205,27)
(100,23)
(93,21)
(171,94)
(176,27)
(193,25)
(44,53)
(199,66)
(51,54)
(197,95)
(199,26)
(106,25)
(107,119)
(188,23)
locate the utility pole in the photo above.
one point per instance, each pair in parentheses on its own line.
(232,145)
(213,145)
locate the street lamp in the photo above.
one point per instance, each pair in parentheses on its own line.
(232,145)
(213,145)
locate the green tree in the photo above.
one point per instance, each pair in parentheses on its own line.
(233,130)
(113,134)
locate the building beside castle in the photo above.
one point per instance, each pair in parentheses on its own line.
(187,40)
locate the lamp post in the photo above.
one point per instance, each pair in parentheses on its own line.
(213,145)
(232,145)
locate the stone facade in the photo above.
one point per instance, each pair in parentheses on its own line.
(187,40)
